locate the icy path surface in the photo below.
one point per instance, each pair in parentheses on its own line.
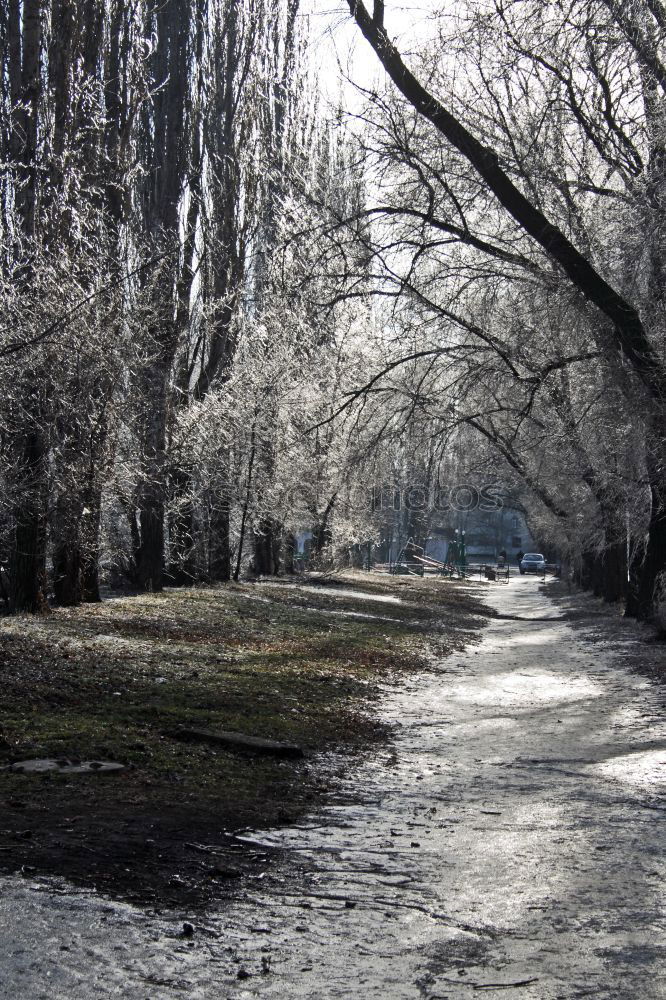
(513,845)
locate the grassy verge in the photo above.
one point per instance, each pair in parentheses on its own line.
(113,680)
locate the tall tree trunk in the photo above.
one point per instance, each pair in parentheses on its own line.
(220,542)
(28,557)
(246,504)
(149,557)
(28,118)
(614,568)
(654,563)
(290,546)
(92,516)
(183,568)
(167,139)
(182,563)
(267,544)
(322,535)
(67,571)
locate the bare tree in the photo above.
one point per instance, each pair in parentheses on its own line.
(620,323)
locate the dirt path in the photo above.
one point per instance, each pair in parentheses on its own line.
(513,845)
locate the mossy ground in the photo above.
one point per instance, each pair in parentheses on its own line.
(113,680)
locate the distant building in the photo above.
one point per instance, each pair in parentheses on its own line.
(487,533)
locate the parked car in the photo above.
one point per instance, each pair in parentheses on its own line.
(532,562)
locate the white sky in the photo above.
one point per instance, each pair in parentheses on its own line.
(339,49)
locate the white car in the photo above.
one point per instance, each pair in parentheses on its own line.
(532,562)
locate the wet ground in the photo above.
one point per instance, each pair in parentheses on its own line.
(511,843)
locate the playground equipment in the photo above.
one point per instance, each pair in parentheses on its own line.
(409,562)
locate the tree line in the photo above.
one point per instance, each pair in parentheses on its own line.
(155,157)
(519,231)
(228,306)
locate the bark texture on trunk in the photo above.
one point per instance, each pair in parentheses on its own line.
(267,545)
(27,565)
(615,571)
(28,555)
(166,148)
(149,557)
(182,563)
(653,568)
(322,536)
(290,546)
(92,517)
(220,543)
(67,573)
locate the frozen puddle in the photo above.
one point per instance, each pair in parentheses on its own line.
(512,844)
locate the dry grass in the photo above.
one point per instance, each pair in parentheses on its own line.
(111,680)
